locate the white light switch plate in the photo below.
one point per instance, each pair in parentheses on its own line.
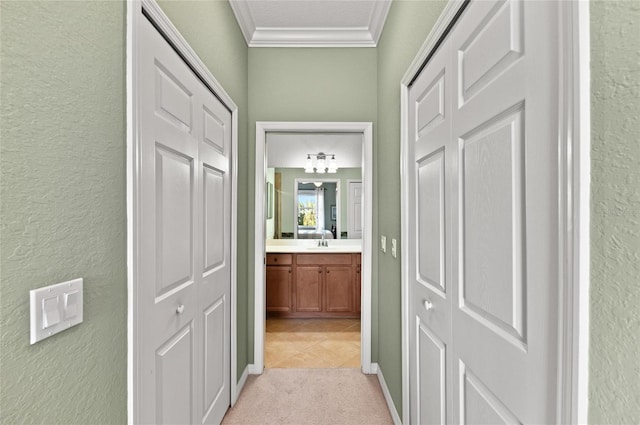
(55,308)
(383,243)
(394,248)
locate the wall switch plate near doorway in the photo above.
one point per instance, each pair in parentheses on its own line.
(55,308)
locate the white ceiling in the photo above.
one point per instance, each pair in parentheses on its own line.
(311,23)
(289,150)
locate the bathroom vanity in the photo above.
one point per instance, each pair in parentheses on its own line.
(305,281)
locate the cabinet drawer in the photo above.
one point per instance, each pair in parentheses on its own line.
(279,259)
(337,259)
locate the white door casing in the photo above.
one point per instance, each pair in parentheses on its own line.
(354,209)
(181,195)
(483,223)
(262,128)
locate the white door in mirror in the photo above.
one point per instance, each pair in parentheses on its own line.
(55,308)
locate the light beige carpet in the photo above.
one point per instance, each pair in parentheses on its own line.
(310,396)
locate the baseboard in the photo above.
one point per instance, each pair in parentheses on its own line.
(387,396)
(253,370)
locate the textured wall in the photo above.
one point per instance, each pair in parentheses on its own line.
(307,84)
(615,213)
(407,26)
(212,31)
(62,122)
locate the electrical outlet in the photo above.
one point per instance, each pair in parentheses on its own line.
(383,243)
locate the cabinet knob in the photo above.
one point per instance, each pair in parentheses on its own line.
(275,260)
(180,309)
(328,271)
(319,271)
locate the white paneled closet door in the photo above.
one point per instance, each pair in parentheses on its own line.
(484,299)
(431,291)
(185,201)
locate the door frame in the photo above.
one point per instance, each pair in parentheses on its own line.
(262,128)
(573,191)
(136,11)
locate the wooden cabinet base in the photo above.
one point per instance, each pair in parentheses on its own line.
(320,285)
(313,315)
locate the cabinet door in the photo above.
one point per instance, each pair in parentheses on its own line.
(339,289)
(358,288)
(309,288)
(279,288)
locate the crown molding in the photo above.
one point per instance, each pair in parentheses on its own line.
(243,16)
(378,18)
(256,36)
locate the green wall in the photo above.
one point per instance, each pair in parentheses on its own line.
(307,84)
(407,26)
(289,175)
(62,129)
(614,371)
(212,31)
(62,185)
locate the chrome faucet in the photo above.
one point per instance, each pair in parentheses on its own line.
(323,242)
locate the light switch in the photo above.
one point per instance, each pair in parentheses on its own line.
(70,304)
(394,248)
(50,312)
(55,308)
(383,243)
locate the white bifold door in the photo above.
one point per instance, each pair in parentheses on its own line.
(483,129)
(184,277)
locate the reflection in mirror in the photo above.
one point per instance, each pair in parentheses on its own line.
(314,203)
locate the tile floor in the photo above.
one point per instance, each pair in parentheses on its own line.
(312,343)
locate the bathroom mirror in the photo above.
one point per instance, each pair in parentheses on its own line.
(296,197)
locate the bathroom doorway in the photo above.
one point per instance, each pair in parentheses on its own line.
(313,282)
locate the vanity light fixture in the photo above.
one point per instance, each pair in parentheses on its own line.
(317,184)
(321,165)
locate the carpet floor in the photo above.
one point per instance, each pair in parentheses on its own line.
(310,396)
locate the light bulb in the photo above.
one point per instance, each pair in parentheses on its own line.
(308,167)
(333,167)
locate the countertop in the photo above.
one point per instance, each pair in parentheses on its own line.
(310,246)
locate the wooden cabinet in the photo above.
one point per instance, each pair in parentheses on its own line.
(358,285)
(279,279)
(338,284)
(279,283)
(313,285)
(308,289)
